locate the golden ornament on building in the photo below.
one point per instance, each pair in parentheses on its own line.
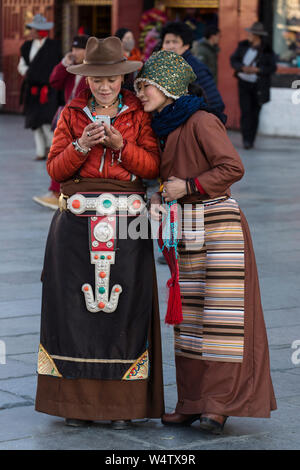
(191,3)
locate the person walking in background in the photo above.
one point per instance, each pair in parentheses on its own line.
(38,58)
(131,51)
(178,37)
(221,347)
(72,85)
(207,49)
(254,63)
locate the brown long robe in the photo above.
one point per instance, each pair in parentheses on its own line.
(201,148)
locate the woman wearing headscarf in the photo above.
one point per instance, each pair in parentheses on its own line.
(100,354)
(221,349)
(131,51)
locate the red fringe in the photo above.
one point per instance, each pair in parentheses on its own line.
(44,94)
(174,311)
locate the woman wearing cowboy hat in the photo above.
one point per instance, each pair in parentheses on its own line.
(99,355)
(38,58)
(254,62)
(221,348)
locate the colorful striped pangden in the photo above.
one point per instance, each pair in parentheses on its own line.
(212,275)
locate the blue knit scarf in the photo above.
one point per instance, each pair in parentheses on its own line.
(175,114)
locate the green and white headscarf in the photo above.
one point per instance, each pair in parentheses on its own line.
(169,72)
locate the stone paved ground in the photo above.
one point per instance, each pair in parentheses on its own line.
(269,196)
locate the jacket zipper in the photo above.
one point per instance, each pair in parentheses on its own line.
(102,161)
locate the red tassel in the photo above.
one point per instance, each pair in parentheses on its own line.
(44,94)
(34,90)
(174,311)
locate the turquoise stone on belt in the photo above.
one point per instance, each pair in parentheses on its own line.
(107,203)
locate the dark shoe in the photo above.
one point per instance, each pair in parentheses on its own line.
(248,145)
(77,423)
(210,423)
(120,424)
(38,158)
(178,419)
(161,260)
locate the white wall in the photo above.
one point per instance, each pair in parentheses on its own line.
(281,115)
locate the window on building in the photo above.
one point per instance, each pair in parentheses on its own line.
(286,32)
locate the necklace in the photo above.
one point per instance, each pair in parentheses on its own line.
(93,104)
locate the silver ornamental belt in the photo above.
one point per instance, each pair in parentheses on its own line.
(102,210)
(86,204)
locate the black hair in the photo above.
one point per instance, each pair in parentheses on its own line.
(210,30)
(120,33)
(195,89)
(179,29)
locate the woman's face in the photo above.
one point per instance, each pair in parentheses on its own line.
(152,98)
(105,89)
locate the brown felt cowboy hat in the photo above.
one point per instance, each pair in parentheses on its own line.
(258,29)
(104,58)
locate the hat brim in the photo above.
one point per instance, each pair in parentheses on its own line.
(257,33)
(39,27)
(89,70)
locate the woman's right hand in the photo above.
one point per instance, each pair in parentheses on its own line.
(69,59)
(156,209)
(91,136)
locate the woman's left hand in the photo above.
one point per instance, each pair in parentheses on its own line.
(111,137)
(174,188)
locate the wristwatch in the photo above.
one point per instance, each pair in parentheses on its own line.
(80,149)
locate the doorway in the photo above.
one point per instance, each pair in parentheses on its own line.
(95,20)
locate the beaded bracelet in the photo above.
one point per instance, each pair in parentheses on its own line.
(191,187)
(187,187)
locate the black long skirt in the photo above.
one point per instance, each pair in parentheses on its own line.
(98,365)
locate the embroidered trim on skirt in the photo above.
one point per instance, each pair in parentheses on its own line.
(211,277)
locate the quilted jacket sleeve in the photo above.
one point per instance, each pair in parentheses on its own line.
(142,157)
(63,160)
(58,77)
(225,162)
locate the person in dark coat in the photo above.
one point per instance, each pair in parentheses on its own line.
(178,37)
(207,49)
(254,63)
(38,58)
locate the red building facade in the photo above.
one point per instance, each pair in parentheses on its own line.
(103,17)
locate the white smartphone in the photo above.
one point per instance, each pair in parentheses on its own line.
(100,119)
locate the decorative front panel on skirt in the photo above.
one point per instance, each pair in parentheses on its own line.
(109,341)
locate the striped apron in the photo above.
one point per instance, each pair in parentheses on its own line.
(211,277)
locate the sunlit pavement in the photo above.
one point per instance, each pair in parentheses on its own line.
(269,196)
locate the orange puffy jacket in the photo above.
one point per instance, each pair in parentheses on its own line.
(139,157)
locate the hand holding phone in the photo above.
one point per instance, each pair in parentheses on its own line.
(113,138)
